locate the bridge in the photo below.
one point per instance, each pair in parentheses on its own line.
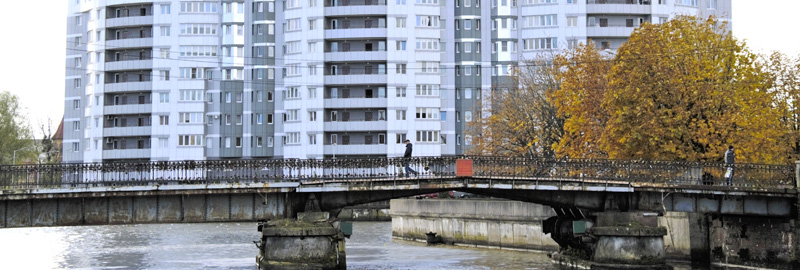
(568,185)
(250,190)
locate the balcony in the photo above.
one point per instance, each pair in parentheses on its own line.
(126,131)
(129,65)
(128,87)
(356,56)
(356,149)
(618,7)
(355,126)
(609,31)
(130,43)
(350,3)
(355,79)
(355,102)
(128,109)
(355,33)
(129,21)
(126,153)
(355,9)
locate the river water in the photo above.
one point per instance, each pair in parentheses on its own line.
(228,246)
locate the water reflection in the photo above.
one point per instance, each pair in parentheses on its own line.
(228,246)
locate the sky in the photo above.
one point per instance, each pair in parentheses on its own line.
(34,65)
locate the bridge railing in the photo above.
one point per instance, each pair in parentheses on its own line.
(637,171)
(300,170)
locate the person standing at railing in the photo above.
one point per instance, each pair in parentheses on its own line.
(407,156)
(730,155)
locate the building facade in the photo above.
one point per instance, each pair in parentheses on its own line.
(309,79)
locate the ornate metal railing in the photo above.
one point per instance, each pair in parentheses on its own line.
(633,172)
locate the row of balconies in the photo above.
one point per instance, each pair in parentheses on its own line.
(345,3)
(125,143)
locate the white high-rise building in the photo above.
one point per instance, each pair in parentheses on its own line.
(196,80)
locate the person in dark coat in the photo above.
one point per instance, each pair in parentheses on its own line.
(730,155)
(407,155)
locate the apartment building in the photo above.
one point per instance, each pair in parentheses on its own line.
(310,79)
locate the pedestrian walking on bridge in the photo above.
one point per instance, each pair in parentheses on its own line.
(730,155)
(407,156)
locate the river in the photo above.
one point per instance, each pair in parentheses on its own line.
(228,246)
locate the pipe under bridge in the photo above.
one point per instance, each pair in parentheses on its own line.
(249,190)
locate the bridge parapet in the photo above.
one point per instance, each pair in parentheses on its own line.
(634,172)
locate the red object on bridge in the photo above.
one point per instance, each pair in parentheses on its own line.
(463,167)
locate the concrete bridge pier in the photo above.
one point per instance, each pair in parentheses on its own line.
(628,240)
(309,242)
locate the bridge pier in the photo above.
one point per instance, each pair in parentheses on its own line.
(628,240)
(309,242)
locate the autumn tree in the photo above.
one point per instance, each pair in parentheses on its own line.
(784,76)
(685,90)
(579,101)
(15,134)
(521,121)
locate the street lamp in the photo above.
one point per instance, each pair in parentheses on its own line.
(14,154)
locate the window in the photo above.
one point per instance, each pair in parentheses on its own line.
(427,136)
(293,93)
(76,83)
(163,75)
(78,62)
(195,51)
(427,21)
(427,113)
(191,73)
(401,115)
(400,92)
(312,93)
(431,90)
(198,7)
(428,67)
(312,139)
(76,147)
(468,93)
(190,140)
(163,120)
(259,118)
(239,98)
(227,142)
(400,45)
(269,119)
(292,24)
(238,142)
(400,138)
(468,116)
(401,69)
(572,21)
(711,4)
(227,119)
(292,115)
(467,24)
(400,22)
(684,2)
(191,95)
(76,125)
(190,118)
(259,141)
(540,44)
(164,31)
(293,138)
(427,44)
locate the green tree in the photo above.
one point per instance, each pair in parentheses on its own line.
(522,120)
(15,133)
(684,90)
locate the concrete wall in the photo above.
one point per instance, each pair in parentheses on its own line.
(142,209)
(377,211)
(490,223)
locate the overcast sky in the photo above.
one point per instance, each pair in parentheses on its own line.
(35,47)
